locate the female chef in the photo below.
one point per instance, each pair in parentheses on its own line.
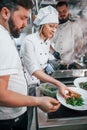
(36,47)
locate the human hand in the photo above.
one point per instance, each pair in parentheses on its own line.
(48,104)
(64,90)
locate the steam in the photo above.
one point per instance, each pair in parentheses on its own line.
(79,14)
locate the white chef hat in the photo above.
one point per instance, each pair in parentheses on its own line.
(46,15)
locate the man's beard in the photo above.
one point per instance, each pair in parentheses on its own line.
(14,32)
(61,21)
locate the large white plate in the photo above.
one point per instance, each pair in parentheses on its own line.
(78,90)
(77,81)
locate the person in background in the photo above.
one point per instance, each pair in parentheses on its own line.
(13,88)
(35,49)
(83,23)
(68,39)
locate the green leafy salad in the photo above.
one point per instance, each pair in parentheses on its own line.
(75,101)
(83,85)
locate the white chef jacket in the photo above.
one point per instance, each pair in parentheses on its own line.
(35,54)
(65,40)
(10,64)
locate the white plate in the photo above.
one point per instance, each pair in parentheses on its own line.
(77,81)
(78,90)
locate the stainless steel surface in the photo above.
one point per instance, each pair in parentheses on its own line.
(69,73)
(66,123)
(68,76)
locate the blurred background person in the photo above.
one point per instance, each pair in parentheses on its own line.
(83,24)
(68,39)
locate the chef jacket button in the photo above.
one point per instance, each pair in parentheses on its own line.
(41,64)
(45,53)
(40,53)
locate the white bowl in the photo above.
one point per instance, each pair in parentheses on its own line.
(77,81)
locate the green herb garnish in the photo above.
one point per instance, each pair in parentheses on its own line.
(75,101)
(83,85)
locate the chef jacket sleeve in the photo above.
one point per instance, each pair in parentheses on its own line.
(78,35)
(28,56)
(8,57)
(77,31)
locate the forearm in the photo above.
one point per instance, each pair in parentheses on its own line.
(46,78)
(12,99)
(47,104)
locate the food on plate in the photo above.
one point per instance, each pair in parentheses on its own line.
(81,98)
(73,94)
(75,99)
(83,85)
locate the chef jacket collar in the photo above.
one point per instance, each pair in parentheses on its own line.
(64,24)
(5,29)
(42,41)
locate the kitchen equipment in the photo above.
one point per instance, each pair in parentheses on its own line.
(85,59)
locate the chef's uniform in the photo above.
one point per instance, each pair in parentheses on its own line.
(66,39)
(35,56)
(35,51)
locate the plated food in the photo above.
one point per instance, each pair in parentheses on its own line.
(77,100)
(81,82)
(83,85)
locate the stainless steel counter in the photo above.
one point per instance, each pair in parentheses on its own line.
(61,124)
(70,73)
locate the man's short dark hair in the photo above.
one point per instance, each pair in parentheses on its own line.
(61,3)
(12,4)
